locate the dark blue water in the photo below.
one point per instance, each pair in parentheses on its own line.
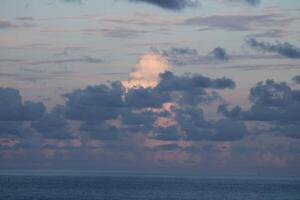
(140,187)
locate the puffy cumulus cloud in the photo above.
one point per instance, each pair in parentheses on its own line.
(53,125)
(271,101)
(170,4)
(113,109)
(284,49)
(274,103)
(219,53)
(13,109)
(138,121)
(192,126)
(14,114)
(146,72)
(101,102)
(146,98)
(189,56)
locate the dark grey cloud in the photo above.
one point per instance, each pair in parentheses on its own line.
(146,98)
(12,108)
(53,125)
(290,130)
(95,102)
(249,2)
(166,147)
(274,103)
(170,4)
(253,2)
(139,122)
(14,113)
(192,83)
(11,128)
(271,101)
(194,125)
(169,133)
(96,106)
(284,49)
(229,130)
(190,56)
(182,56)
(296,79)
(219,53)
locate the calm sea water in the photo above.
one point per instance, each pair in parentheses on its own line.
(36,186)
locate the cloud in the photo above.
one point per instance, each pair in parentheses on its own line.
(124,32)
(192,83)
(219,53)
(100,130)
(146,72)
(182,56)
(12,108)
(167,147)
(72,1)
(169,133)
(145,98)
(189,56)
(253,2)
(273,103)
(9,128)
(5,24)
(85,59)
(195,127)
(249,2)
(296,79)
(123,108)
(14,113)
(53,125)
(138,122)
(284,49)
(237,22)
(8,60)
(170,4)
(95,102)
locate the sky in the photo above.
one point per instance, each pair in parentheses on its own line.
(207,86)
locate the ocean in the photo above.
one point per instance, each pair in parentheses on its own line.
(93,186)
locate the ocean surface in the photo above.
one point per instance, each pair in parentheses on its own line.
(92,186)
